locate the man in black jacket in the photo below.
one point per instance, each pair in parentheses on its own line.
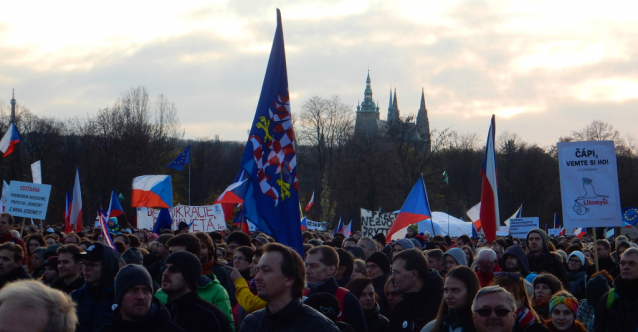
(603,249)
(69,268)
(96,298)
(422,290)
(280,282)
(618,308)
(11,257)
(181,274)
(541,260)
(137,309)
(321,267)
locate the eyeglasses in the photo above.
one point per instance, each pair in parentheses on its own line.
(486,312)
(511,275)
(171,269)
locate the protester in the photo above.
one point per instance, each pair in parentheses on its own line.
(541,260)
(486,266)
(469,255)
(183,228)
(69,269)
(280,282)
(392,297)
(454,257)
(455,311)
(360,269)
(597,286)
(33,242)
(50,274)
(617,309)
(321,266)
(132,255)
(6,225)
(363,289)
(545,286)
(180,278)
(31,306)
(236,240)
(161,250)
(422,290)
(369,246)
(563,308)
(11,257)
(515,260)
(526,317)
(246,293)
(400,245)
(435,261)
(51,239)
(604,260)
(577,274)
(212,266)
(494,310)
(36,262)
(242,260)
(378,269)
(345,269)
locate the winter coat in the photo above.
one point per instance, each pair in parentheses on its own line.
(18,273)
(375,321)
(576,327)
(294,317)
(485,279)
(194,314)
(546,262)
(519,253)
(379,284)
(209,291)
(62,286)
(351,306)
(418,308)
(578,283)
(622,314)
(158,319)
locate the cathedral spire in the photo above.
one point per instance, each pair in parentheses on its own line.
(13,106)
(422,122)
(394,102)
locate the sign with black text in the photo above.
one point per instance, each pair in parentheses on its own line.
(519,227)
(373,222)
(28,200)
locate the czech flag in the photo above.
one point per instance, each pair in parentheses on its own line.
(340,227)
(579,232)
(101,216)
(9,140)
(312,199)
(415,209)
(241,221)
(234,194)
(304,224)
(152,191)
(115,208)
(348,230)
(489,196)
(75,213)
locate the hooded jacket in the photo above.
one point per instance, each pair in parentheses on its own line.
(418,308)
(458,254)
(211,291)
(158,319)
(193,314)
(95,303)
(622,313)
(351,306)
(519,253)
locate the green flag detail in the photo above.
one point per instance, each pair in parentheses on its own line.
(446,179)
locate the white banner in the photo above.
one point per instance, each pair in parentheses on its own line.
(519,227)
(589,184)
(373,222)
(317,225)
(5,194)
(29,200)
(36,172)
(200,218)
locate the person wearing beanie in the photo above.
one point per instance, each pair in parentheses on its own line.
(133,255)
(180,278)
(378,268)
(413,231)
(596,287)
(577,274)
(96,298)
(400,245)
(137,309)
(454,257)
(161,251)
(540,259)
(50,274)
(563,308)
(182,228)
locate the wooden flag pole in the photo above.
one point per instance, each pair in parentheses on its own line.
(595,249)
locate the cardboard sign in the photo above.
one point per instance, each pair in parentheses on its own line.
(373,222)
(29,200)
(589,184)
(317,225)
(519,227)
(200,218)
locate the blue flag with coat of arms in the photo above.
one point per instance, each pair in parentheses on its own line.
(272,198)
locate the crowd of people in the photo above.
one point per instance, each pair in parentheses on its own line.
(233,281)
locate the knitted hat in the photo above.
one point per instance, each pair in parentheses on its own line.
(405,243)
(416,243)
(458,254)
(162,239)
(325,303)
(52,262)
(129,277)
(315,242)
(356,251)
(596,288)
(579,255)
(569,301)
(542,234)
(414,228)
(381,260)
(133,255)
(189,265)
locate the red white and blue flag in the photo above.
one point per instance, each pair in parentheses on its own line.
(340,227)
(312,199)
(415,208)
(75,209)
(348,230)
(101,216)
(152,191)
(579,232)
(241,221)
(304,224)
(115,208)
(9,140)
(490,218)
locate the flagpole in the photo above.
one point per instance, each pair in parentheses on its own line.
(189,183)
(427,201)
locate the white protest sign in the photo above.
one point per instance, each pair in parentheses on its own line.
(373,222)
(589,184)
(36,172)
(317,225)
(200,218)
(5,195)
(29,200)
(519,227)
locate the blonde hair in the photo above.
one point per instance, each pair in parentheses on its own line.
(30,294)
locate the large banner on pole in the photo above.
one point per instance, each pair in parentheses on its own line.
(589,184)
(200,218)
(373,222)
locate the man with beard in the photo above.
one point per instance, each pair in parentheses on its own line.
(541,260)
(617,309)
(515,260)
(605,262)
(96,298)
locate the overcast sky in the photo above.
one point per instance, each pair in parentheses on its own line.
(544,68)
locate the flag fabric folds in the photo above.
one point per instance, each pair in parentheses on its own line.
(517,214)
(152,191)
(475,215)
(348,230)
(102,217)
(312,199)
(67,212)
(489,196)
(75,210)
(164,221)
(304,224)
(115,208)
(9,140)
(181,159)
(235,192)
(272,199)
(340,227)
(415,208)
(629,217)
(241,222)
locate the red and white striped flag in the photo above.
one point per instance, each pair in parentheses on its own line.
(312,199)
(75,215)
(490,218)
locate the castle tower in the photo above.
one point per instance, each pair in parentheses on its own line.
(13,106)
(367,112)
(422,122)
(393,109)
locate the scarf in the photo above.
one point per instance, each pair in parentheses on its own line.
(457,318)
(524,318)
